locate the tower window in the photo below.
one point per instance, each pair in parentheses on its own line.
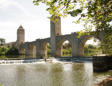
(57,34)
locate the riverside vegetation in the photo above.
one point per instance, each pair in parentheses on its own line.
(7,51)
(89,50)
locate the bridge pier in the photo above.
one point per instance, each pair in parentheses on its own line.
(43,50)
(32,50)
(75,45)
(59,51)
(55,27)
(26,49)
(38,55)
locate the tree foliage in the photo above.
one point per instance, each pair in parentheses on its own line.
(106,44)
(90,50)
(96,14)
(67,50)
(2,41)
(12,51)
(3,50)
(101,13)
(8,51)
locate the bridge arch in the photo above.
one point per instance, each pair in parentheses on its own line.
(83,41)
(31,50)
(44,49)
(59,47)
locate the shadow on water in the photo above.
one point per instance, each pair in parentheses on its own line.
(75,59)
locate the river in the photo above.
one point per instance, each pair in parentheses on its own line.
(47,74)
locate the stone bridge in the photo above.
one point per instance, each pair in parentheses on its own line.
(38,48)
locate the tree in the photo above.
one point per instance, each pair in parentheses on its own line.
(96,14)
(3,50)
(100,12)
(95,11)
(90,50)
(12,51)
(61,7)
(67,49)
(2,41)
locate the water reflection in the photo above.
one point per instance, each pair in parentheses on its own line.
(46,74)
(67,75)
(56,74)
(20,75)
(78,74)
(88,74)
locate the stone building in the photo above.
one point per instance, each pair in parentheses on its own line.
(20,35)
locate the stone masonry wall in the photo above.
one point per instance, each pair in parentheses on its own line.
(102,63)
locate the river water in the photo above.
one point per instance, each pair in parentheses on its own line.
(47,74)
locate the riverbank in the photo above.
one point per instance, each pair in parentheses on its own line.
(105,82)
(102,63)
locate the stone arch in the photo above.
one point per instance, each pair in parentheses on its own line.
(59,47)
(82,42)
(31,50)
(43,49)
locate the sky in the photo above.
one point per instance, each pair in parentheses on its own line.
(34,20)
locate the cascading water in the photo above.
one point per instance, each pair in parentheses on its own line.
(19,61)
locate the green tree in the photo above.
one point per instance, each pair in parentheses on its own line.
(3,50)
(96,12)
(2,41)
(96,15)
(90,50)
(106,45)
(12,51)
(67,49)
(100,12)
(48,51)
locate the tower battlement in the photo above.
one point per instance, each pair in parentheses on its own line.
(20,35)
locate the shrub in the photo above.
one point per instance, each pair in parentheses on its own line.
(12,51)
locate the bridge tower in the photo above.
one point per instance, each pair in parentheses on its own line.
(20,35)
(55,30)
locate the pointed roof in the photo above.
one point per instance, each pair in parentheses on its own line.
(20,27)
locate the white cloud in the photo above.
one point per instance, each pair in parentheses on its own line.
(33,19)
(4,3)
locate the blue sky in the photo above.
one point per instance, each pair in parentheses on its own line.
(14,13)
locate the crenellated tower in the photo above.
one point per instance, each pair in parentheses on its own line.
(55,30)
(20,35)
(55,26)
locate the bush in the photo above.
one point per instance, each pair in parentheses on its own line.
(12,51)
(3,50)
